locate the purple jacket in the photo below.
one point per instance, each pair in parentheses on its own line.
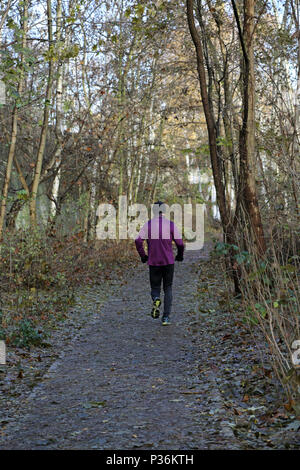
(159,233)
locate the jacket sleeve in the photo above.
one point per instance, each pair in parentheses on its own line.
(178,240)
(139,241)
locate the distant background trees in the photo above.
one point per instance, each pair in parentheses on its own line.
(100,99)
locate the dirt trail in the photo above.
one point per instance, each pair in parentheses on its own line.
(126,382)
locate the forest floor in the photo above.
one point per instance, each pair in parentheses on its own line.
(114,378)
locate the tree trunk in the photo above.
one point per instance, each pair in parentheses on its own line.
(212,138)
(247,134)
(43,136)
(59,113)
(93,199)
(208,115)
(295,142)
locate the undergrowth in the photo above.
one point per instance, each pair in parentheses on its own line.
(39,275)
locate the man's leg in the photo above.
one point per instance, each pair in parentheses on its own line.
(167,284)
(155,282)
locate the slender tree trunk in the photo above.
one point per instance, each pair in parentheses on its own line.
(295,153)
(59,114)
(86,217)
(92,200)
(212,138)
(43,136)
(247,135)
(208,115)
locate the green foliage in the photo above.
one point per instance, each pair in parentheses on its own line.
(11,70)
(250,316)
(139,9)
(25,334)
(128,12)
(261,310)
(187,151)
(222,141)
(198,151)
(22,195)
(253,314)
(241,257)
(69,52)
(18,330)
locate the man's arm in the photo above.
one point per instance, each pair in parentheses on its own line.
(139,243)
(179,243)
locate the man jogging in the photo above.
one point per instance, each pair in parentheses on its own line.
(159,233)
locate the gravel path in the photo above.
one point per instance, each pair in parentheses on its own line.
(126,382)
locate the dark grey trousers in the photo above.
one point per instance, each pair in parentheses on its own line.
(165,274)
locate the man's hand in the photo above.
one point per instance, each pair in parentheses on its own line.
(144,258)
(179,257)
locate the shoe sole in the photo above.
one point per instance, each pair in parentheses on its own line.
(166,323)
(155,310)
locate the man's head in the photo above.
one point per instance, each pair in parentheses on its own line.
(159,208)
